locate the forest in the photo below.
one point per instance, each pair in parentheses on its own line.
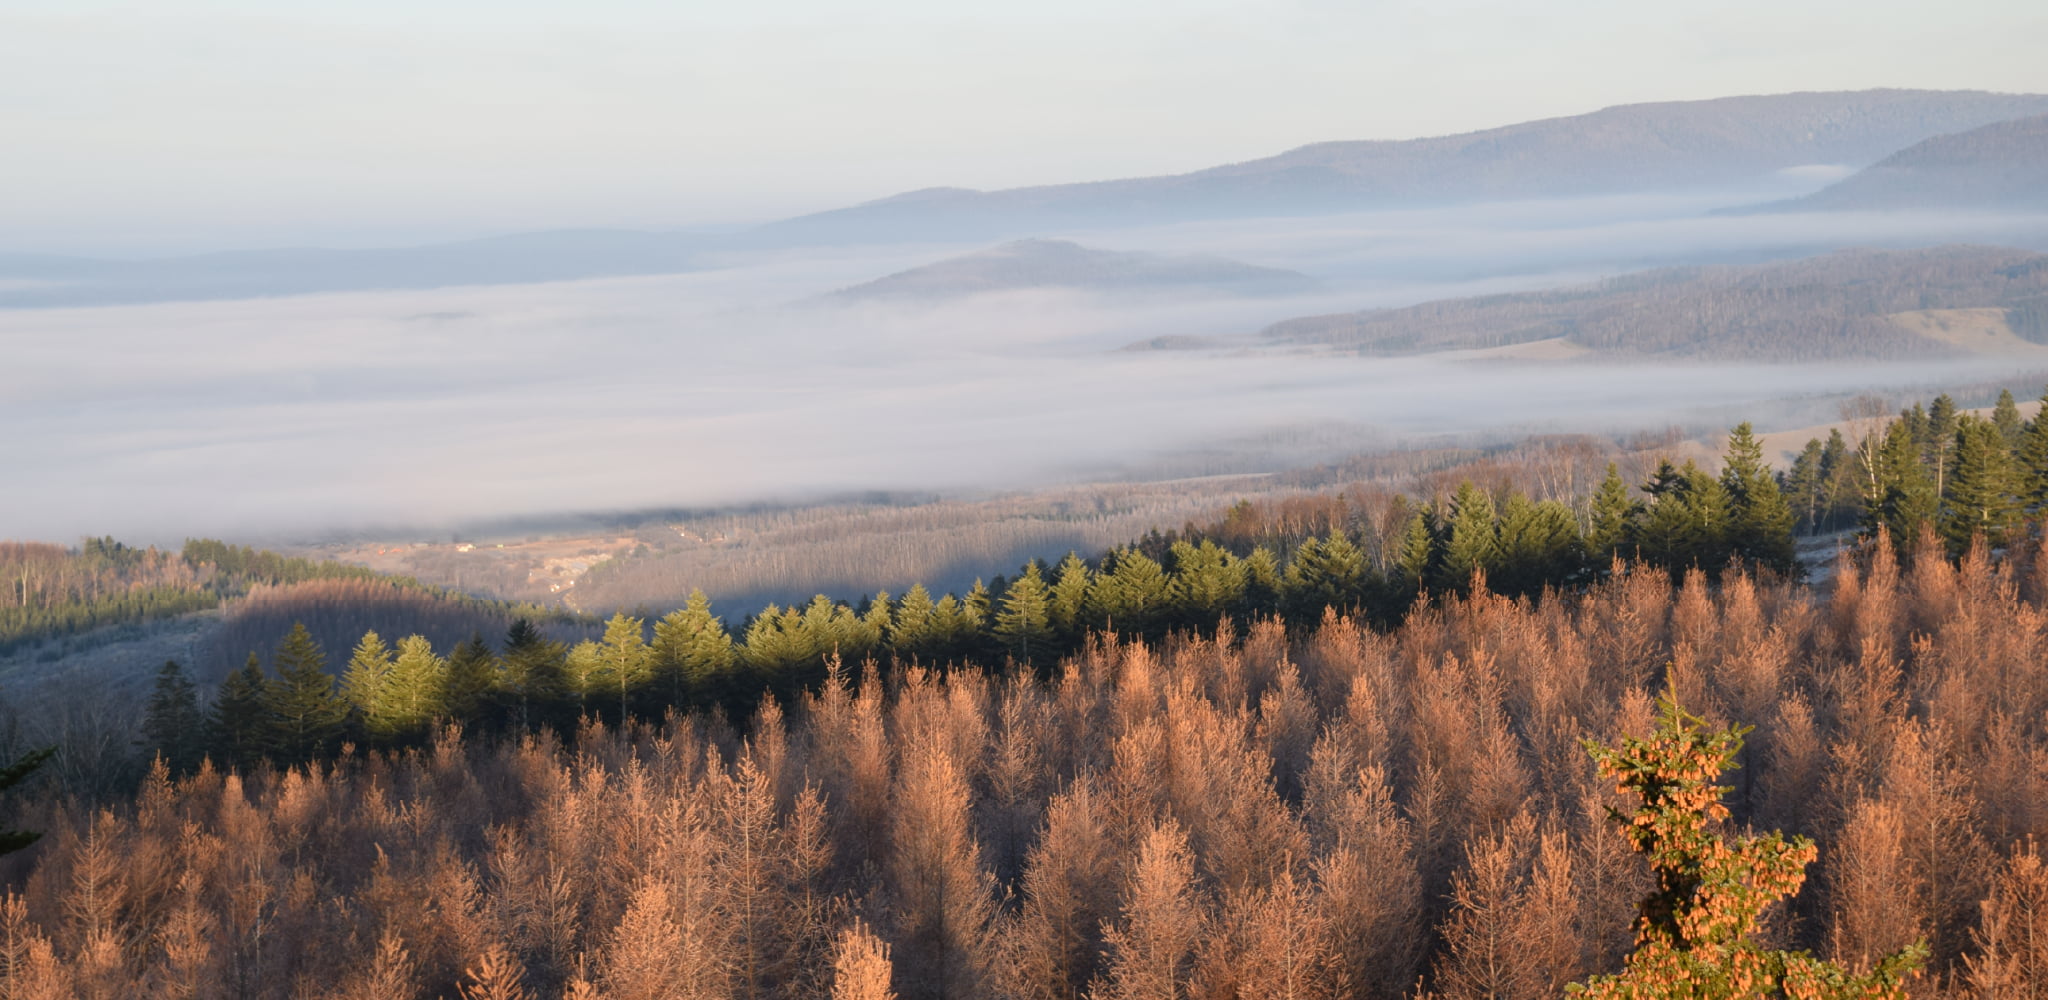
(1831,307)
(1312,749)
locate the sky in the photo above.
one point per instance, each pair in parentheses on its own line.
(171,126)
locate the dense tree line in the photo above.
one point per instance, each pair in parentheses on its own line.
(1932,464)
(1684,519)
(1325,809)
(51,591)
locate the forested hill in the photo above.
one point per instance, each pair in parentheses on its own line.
(2002,166)
(1867,304)
(1637,147)
(49,591)
(1037,263)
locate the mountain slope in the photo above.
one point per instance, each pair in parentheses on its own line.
(1940,302)
(1060,264)
(1686,144)
(2000,166)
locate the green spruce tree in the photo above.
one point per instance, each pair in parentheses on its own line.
(1024,625)
(307,716)
(240,716)
(173,727)
(1759,520)
(1983,497)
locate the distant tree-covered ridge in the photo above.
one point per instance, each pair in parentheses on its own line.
(49,591)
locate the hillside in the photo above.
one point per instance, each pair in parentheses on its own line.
(1999,166)
(1638,147)
(1940,302)
(1036,263)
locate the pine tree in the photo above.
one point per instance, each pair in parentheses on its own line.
(1613,519)
(416,693)
(1760,521)
(1906,496)
(472,677)
(1327,572)
(1069,602)
(1983,495)
(1843,496)
(14,774)
(1805,486)
(240,716)
(1473,542)
(1939,441)
(1206,583)
(692,650)
(2005,415)
(364,684)
(1693,938)
(912,632)
(2032,460)
(173,727)
(1262,584)
(1421,555)
(1539,545)
(306,715)
(626,662)
(534,673)
(1025,623)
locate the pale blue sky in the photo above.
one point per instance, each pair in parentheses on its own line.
(187,124)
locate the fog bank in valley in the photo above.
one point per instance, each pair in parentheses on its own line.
(299,415)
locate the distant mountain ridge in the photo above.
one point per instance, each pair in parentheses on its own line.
(1627,148)
(2003,165)
(1042,263)
(1684,145)
(1867,304)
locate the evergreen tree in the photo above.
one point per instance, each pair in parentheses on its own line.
(1206,583)
(625,662)
(1613,518)
(1939,441)
(306,715)
(1983,493)
(1760,521)
(1805,486)
(1130,595)
(692,650)
(1906,497)
(1688,521)
(173,727)
(2005,415)
(1473,541)
(415,694)
(1539,545)
(1694,935)
(240,717)
(1025,622)
(2032,460)
(472,677)
(534,674)
(1327,572)
(1262,584)
(912,634)
(1420,556)
(1069,602)
(14,774)
(1844,496)
(368,676)
(875,624)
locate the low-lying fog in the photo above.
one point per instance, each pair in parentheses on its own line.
(300,415)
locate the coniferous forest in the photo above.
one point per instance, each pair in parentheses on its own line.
(1265,757)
